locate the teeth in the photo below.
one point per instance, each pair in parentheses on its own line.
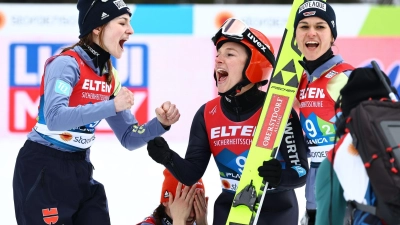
(221,71)
(311,42)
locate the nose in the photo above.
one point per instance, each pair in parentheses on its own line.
(311,32)
(130,30)
(218,59)
(192,213)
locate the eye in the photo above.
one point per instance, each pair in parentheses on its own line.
(304,27)
(320,27)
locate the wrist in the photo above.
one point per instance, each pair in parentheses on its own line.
(167,157)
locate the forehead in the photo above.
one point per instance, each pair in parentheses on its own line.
(232,46)
(313,19)
(123,17)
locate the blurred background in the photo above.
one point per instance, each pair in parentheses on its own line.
(169,57)
(388,2)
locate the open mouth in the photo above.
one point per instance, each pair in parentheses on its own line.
(190,221)
(222,74)
(312,44)
(121,43)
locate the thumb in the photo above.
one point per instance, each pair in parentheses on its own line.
(150,143)
(166,105)
(160,142)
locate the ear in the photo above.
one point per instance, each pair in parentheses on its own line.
(97,30)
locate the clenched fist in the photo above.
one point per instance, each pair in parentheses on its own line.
(124,100)
(167,114)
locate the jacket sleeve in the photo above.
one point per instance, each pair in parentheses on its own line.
(127,129)
(293,153)
(329,196)
(130,133)
(190,169)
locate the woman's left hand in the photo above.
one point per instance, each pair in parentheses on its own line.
(167,114)
(200,207)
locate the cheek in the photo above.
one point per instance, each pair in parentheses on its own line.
(298,39)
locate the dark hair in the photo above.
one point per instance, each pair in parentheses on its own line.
(88,39)
(159,213)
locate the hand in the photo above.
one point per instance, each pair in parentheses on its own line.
(200,207)
(167,114)
(182,205)
(159,150)
(124,100)
(271,171)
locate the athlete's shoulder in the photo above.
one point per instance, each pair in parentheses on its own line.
(62,61)
(62,65)
(148,221)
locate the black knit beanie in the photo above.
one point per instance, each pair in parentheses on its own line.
(319,9)
(362,85)
(95,13)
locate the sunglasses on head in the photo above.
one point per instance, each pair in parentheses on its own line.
(238,30)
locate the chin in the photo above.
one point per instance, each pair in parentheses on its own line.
(117,56)
(222,89)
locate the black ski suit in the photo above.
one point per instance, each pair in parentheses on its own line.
(280,206)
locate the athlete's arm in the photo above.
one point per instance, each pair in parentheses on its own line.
(127,129)
(130,133)
(198,153)
(294,153)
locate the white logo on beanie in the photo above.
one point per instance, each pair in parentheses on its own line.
(120,4)
(333,23)
(104,15)
(313,4)
(166,194)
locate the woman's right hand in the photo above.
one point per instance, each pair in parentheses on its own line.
(182,204)
(124,100)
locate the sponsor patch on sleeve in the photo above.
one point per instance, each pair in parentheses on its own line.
(300,170)
(63,88)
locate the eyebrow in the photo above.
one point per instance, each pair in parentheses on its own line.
(230,48)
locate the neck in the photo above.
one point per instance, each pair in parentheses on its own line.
(244,102)
(97,54)
(311,66)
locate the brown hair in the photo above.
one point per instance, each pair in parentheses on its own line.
(88,39)
(159,213)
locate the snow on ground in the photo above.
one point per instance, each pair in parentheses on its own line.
(132,179)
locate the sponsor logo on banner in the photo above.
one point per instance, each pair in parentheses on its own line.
(2,19)
(26,69)
(221,17)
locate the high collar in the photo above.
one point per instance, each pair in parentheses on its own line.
(167,220)
(97,54)
(311,66)
(244,102)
